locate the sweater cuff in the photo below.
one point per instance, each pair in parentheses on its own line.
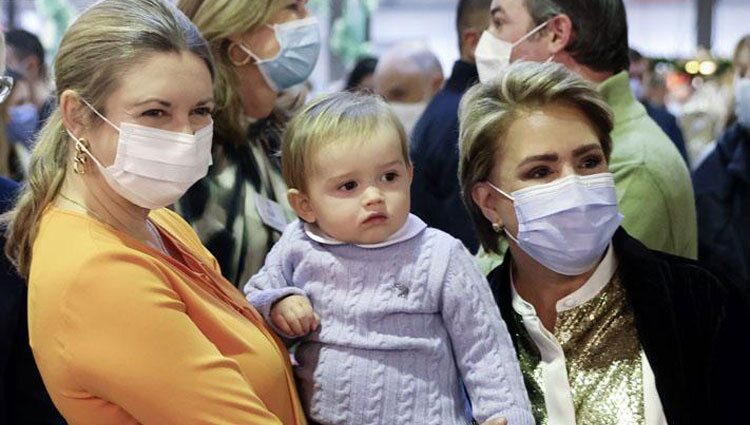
(515,416)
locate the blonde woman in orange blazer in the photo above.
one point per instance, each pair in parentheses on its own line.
(130,320)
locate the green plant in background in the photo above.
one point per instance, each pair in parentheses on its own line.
(57,15)
(348,38)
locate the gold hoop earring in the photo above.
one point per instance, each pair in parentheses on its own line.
(81,158)
(497,227)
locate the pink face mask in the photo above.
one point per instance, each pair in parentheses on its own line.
(153,168)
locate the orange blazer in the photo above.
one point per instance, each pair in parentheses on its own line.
(124,334)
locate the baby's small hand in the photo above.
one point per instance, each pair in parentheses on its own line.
(499,421)
(294,316)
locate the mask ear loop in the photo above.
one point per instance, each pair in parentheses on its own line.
(247,51)
(249,54)
(100,115)
(532,32)
(495,226)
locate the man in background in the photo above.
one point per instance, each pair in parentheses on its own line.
(25,55)
(435,191)
(590,38)
(407,76)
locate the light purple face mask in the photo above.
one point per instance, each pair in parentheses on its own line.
(566,225)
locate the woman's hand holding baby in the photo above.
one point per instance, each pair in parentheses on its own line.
(294,316)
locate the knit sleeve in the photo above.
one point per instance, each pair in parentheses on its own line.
(274,280)
(482,346)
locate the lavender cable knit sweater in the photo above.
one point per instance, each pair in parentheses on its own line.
(398,326)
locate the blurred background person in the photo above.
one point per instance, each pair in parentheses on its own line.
(18,121)
(407,76)
(722,185)
(23,398)
(650,88)
(652,179)
(361,76)
(22,124)
(435,193)
(26,55)
(262,48)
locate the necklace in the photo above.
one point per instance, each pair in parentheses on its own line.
(149,225)
(88,211)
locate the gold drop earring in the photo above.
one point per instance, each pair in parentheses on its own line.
(497,227)
(81,158)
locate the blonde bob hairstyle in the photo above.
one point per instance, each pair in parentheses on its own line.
(488,110)
(106,41)
(217,20)
(343,117)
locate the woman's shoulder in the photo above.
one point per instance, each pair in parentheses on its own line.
(648,273)
(70,243)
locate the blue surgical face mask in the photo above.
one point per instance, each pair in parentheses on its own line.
(24,120)
(742,101)
(299,43)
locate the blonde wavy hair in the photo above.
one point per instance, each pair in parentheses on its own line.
(217,20)
(488,110)
(343,117)
(106,41)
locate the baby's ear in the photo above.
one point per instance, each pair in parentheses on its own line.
(301,205)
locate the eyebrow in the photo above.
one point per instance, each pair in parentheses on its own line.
(553,157)
(548,157)
(169,104)
(392,163)
(497,9)
(349,175)
(586,149)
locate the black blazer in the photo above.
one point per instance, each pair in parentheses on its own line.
(693,329)
(23,398)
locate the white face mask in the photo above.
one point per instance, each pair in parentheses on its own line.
(153,168)
(493,55)
(742,101)
(566,225)
(408,113)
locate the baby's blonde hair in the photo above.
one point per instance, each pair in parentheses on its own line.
(336,118)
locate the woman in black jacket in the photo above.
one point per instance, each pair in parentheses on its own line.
(606,330)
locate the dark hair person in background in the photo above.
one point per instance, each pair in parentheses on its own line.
(435,193)
(23,398)
(360,79)
(26,55)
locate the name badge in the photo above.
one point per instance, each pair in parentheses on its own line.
(271,213)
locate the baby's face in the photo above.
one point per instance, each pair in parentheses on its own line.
(358,190)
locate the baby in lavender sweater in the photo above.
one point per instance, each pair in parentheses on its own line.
(390,313)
